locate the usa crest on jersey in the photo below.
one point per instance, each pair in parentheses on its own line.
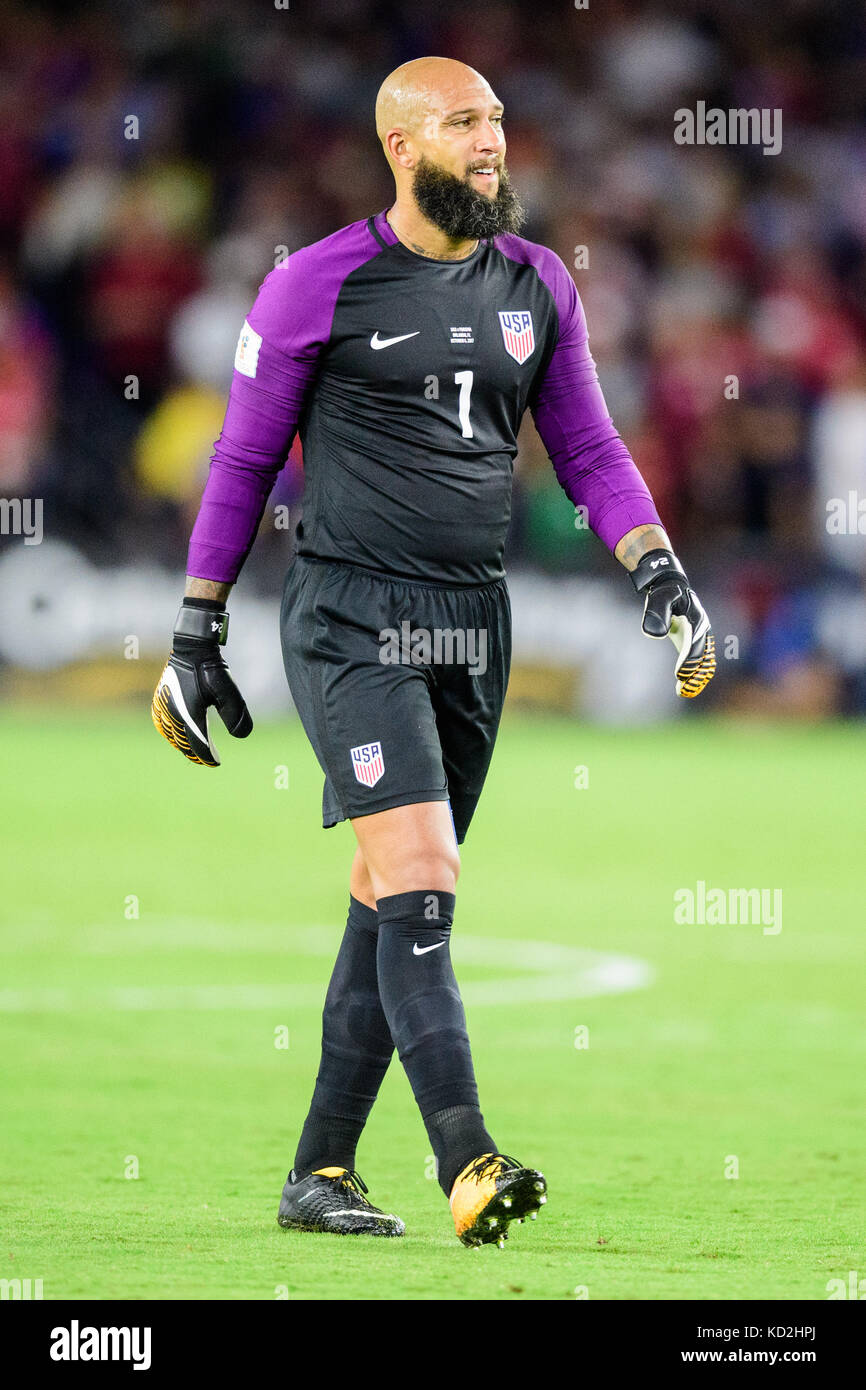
(517,333)
(368,763)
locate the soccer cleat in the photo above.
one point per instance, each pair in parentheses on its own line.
(491,1191)
(332,1199)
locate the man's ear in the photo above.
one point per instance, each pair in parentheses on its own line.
(399,146)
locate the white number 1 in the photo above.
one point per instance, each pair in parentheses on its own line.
(464,381)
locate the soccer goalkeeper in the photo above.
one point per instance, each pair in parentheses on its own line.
(406,348)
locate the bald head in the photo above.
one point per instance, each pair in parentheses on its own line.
(416,97)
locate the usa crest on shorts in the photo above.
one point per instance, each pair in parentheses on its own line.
(517,333)
(368,763)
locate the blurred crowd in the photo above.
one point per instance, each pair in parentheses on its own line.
(156,158)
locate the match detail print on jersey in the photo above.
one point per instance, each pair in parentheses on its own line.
(517,334)
(368,763)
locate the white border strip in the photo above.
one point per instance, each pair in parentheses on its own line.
(544,971)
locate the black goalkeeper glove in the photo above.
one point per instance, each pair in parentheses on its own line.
(674,610)
(196,677)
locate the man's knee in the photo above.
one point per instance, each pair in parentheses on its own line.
(409,849)
(437,866)
(433,871)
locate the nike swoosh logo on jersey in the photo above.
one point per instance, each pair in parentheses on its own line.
(422,950)
(376,342)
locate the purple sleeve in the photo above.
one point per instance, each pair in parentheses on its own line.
(590,460)
(275,362)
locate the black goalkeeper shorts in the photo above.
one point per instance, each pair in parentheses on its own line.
(399,685)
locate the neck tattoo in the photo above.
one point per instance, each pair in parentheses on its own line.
(430,256)
(422,250)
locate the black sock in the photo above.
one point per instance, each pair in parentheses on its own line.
(425,1014)
(356,1050)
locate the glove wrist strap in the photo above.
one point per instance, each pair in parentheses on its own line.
(656,565)
(208,624)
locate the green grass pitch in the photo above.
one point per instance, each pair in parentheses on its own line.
(148,1044)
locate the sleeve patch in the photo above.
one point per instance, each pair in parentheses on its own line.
(247,355)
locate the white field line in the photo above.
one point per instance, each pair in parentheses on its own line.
(541,970)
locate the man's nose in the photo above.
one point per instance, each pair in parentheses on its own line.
(490,139)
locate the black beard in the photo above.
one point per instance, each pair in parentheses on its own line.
(459,210)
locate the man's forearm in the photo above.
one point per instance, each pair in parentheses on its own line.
(634,544)
(206,588)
